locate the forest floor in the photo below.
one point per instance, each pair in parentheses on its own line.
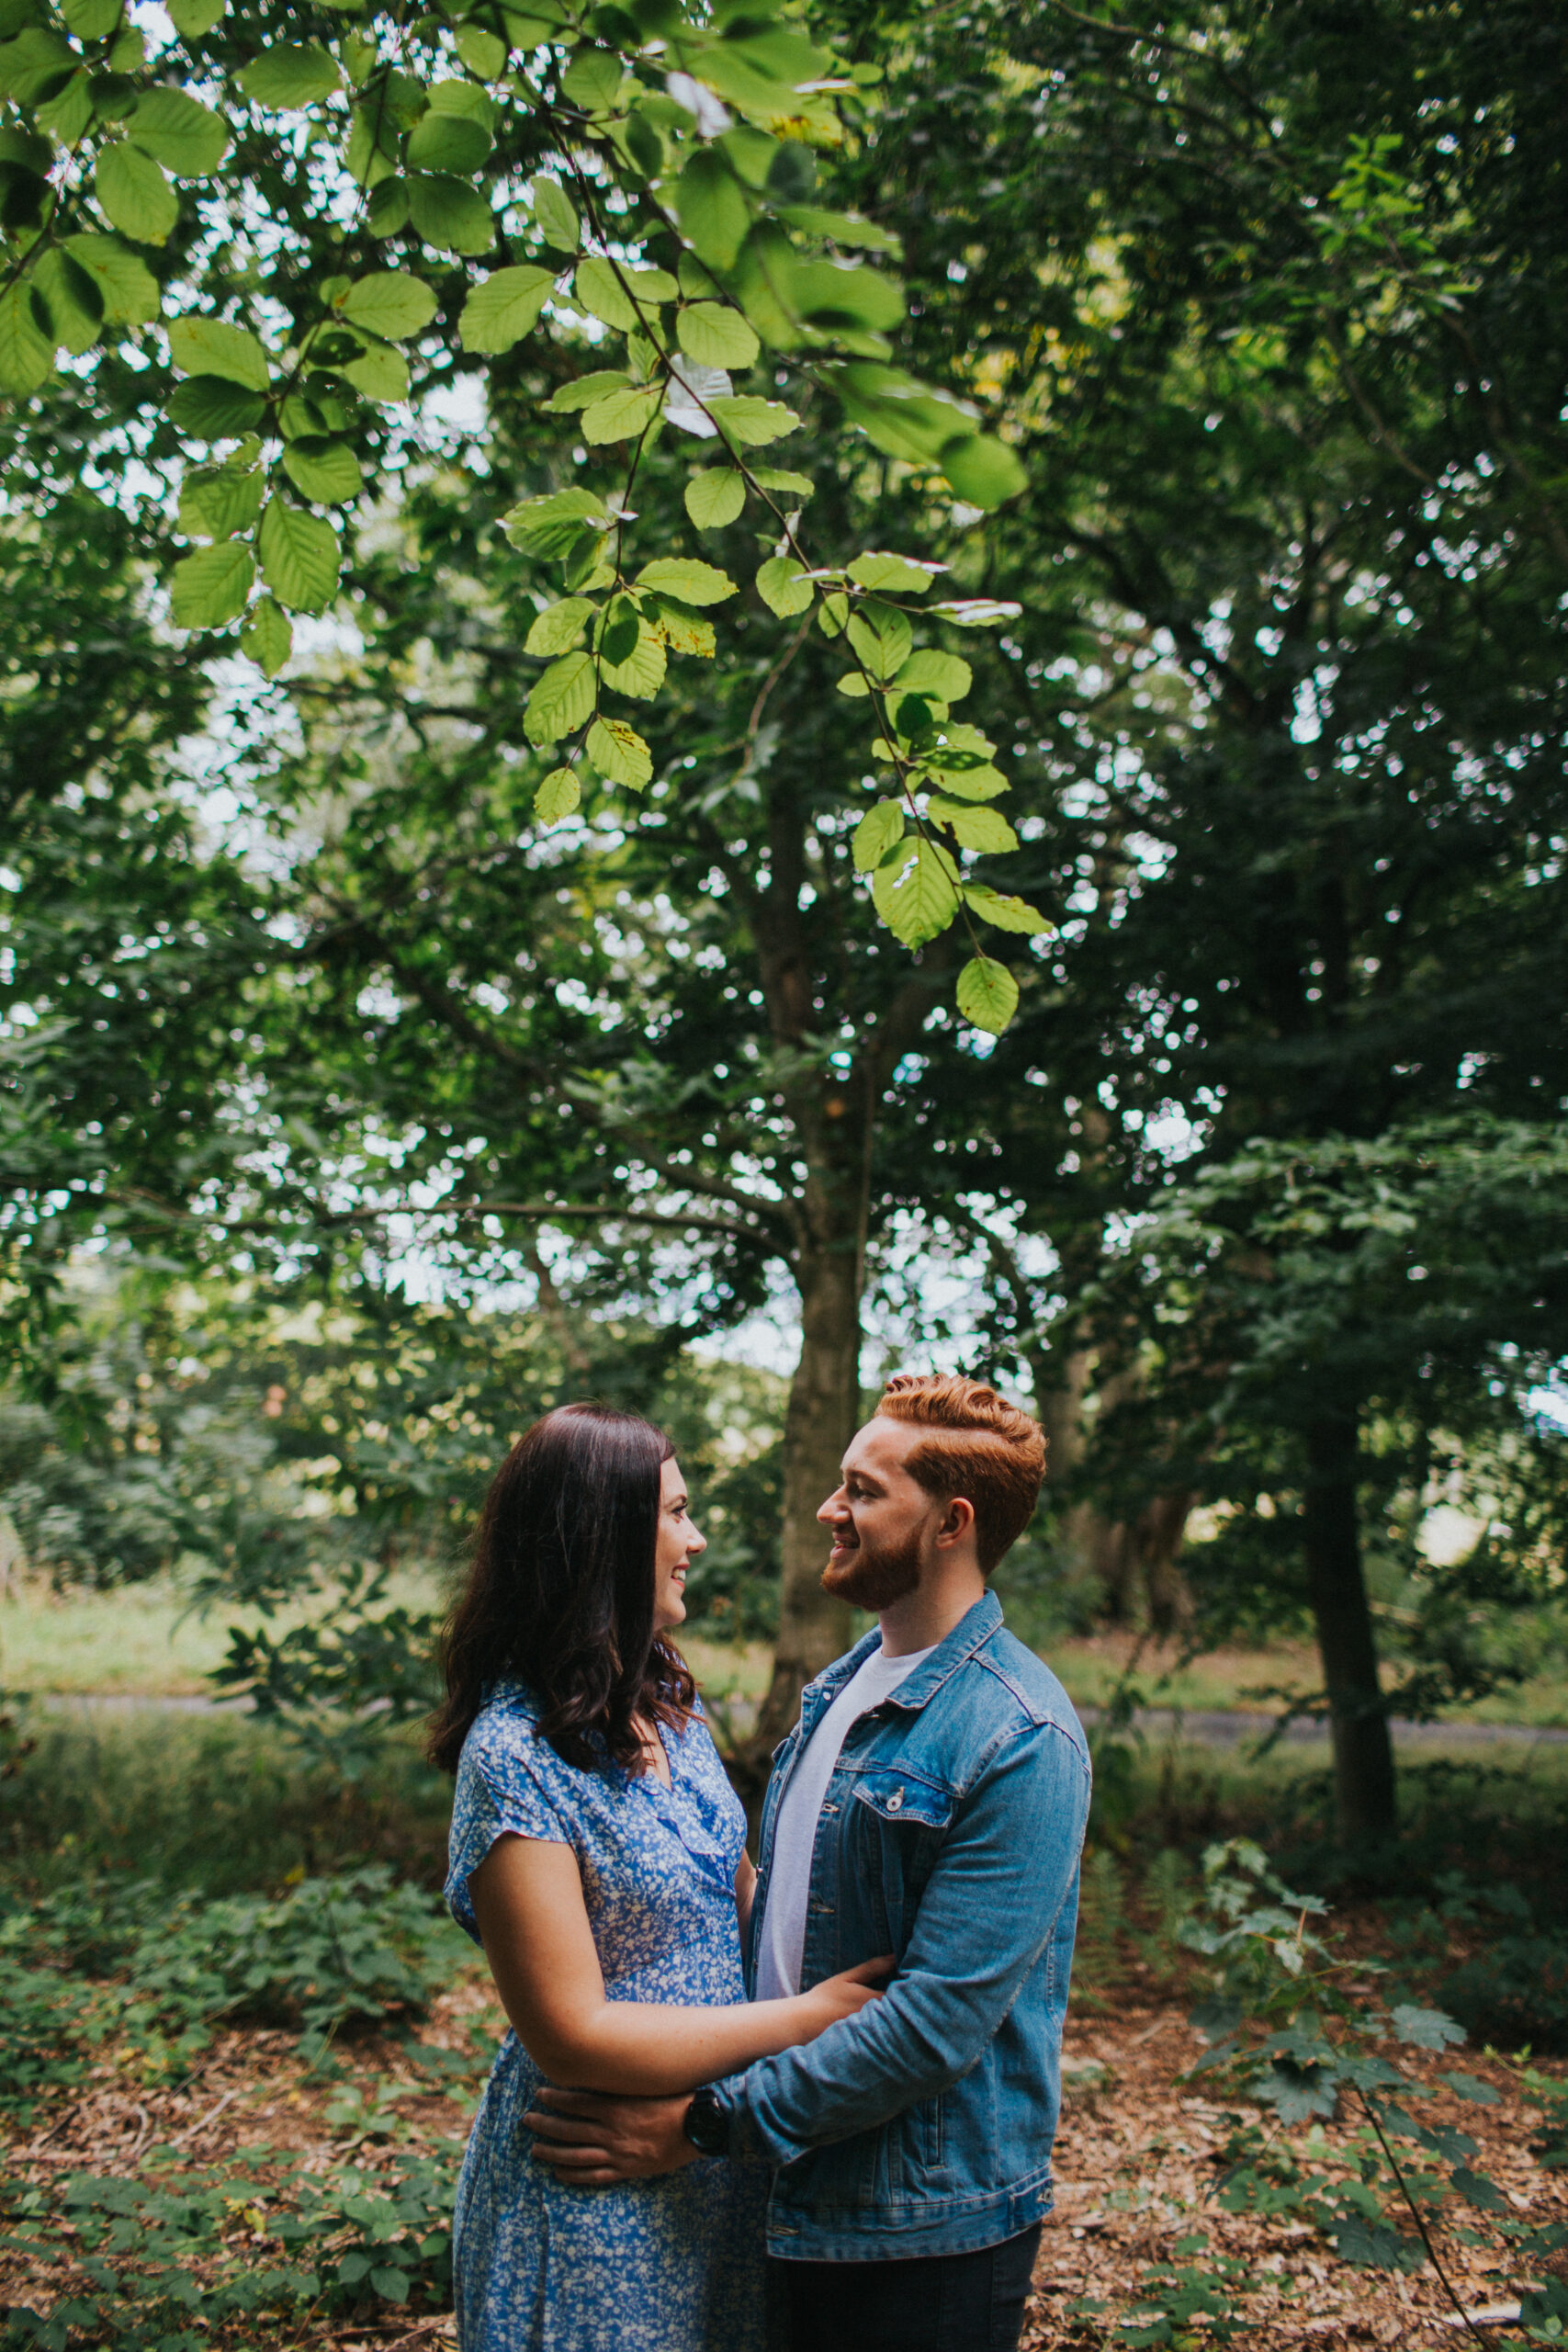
(1138,2159)
(1136,2166)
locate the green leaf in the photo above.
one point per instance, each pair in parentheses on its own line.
(191,18)
(681,631)
(446,143)
(982,783)
(621,416)
(91,19)
(504,307)
(903,418)
(208,347)
(794,485)
(559,627)
(326,470)
(844,228)
(641,672)
(593,80)
(875,834)
(694,583)
(483,53)
(750,421)
(133,192)
(1425,2028)
(716,337)
(581,392)
(1006,914)
(450,215)
(853,685)
(559,223)
(715,497)
(379,373)
(986,830)
(559,796)
(895,574)
(268,636)
(210,408)
(392,2285)
(300,557)
(830,295)
(389,303)
(291,76)
(217,505)
(561,700)
(211,588)
(620,296)
(976,612)
(550,526)
(128,289)
(1470,2086)
(65,116)
(72,297)
(26,356)
(988,994)
(619,752)
(880,635)
(918,897)
(711,208)
(986,472)
(182,134)
(939,677)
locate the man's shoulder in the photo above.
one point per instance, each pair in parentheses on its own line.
(1018,1682)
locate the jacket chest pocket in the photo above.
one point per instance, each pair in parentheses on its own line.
(900,1821)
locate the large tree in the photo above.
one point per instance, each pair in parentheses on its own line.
(1290,670)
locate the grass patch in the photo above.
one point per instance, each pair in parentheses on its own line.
(214,1804)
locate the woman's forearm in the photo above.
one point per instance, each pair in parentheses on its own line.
(652,2050)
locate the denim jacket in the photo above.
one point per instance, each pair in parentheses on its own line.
(949,1836)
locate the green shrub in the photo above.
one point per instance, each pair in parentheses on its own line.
(161,2262)
(214,1803)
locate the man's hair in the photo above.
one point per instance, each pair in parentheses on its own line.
(980,1447)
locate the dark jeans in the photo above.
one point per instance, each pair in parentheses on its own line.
(939,2302)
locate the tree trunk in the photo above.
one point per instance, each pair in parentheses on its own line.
(823,1412)
(1363,1753)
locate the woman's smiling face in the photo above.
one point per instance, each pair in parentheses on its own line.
(679,1543)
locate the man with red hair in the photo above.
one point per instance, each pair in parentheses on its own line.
(930,1803)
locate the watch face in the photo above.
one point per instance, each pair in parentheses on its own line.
(704,2125)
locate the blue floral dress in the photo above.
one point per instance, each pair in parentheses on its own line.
(674,2265)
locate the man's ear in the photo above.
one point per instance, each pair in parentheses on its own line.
(957,1522)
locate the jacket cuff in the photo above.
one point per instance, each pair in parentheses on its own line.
(746,2136)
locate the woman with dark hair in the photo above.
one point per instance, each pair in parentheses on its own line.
(598,1854)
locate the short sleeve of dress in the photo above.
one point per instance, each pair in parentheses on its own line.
(503,1789)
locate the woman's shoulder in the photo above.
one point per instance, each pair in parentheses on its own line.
(506,1728)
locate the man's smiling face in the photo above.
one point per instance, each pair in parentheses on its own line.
(882,1521)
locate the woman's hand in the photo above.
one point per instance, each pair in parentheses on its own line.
(843,1995)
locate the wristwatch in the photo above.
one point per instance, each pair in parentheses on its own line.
(705,2123)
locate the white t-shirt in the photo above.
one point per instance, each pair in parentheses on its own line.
(784,1924)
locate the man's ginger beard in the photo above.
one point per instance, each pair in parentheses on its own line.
(876,1578)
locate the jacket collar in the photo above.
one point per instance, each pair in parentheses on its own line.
(972,1629)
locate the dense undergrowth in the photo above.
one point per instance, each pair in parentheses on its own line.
(162,1882)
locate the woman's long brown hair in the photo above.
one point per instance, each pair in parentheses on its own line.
(560,1593)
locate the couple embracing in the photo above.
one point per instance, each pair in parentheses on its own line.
(809,2106)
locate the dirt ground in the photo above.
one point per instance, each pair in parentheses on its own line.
(1135,2165)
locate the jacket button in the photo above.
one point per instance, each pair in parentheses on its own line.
(896,1800)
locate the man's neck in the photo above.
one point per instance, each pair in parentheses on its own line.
(929,1615)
